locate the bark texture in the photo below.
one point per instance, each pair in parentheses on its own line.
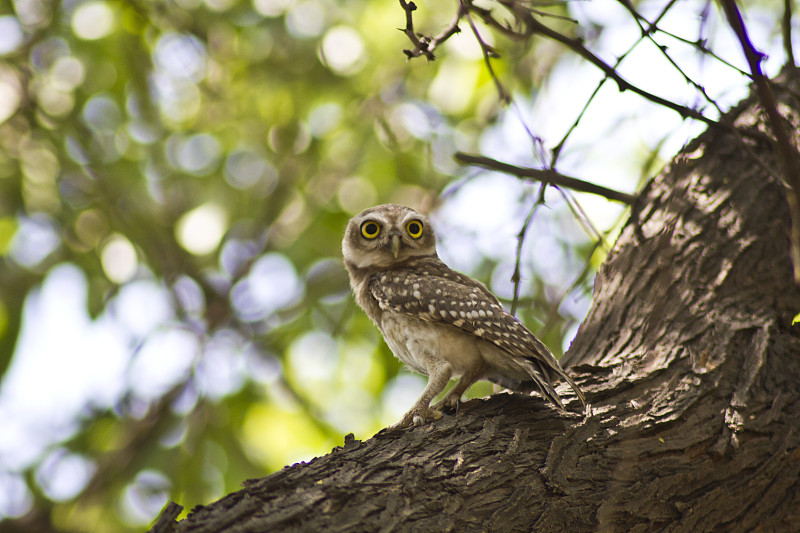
(688,358)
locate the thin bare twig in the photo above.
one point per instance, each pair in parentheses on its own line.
(577,46)
(786,31)
(663,49)
(700,44)
(516,277)
(533,26)
(785,151)
(556,303)
(582,217)
(560,146)
(420,45)
(488,53)
(549,176)
(424,45)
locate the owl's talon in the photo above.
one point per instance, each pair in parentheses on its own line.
(400,424)
(417,417)
(449,403)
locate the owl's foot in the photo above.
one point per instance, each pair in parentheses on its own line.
(417,416)
(452,399)
(449,402)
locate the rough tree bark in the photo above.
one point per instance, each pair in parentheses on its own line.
(688,357)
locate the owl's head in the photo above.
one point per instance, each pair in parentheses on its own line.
(387,234)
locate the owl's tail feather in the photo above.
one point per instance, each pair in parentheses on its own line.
(541,382)
(542,377)
(573,385)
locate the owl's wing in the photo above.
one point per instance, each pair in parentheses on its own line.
(448,297)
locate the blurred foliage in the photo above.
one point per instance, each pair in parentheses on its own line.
(216,149)
(211,152)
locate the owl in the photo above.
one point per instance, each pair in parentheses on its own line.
(437,321)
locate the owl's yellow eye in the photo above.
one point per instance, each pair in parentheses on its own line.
(414,228)
(370,229)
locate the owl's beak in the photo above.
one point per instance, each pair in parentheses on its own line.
(394,245)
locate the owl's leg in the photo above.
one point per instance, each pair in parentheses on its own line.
(469,377)
(421,412)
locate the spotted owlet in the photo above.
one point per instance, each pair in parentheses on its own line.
(437,321)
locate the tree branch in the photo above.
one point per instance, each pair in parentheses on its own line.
(785,150)
(786,31)
(688,361)
(420,45)
(648,33)
(652,27)
(424,45)
(516,277)
(533,26)
(551,177)
(488,53)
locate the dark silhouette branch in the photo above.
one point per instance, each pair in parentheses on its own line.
(424,45)
(420,45)
(786,31)
(549,176)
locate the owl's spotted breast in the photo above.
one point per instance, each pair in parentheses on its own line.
(439,295)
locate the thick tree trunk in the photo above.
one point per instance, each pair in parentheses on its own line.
(688,358)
